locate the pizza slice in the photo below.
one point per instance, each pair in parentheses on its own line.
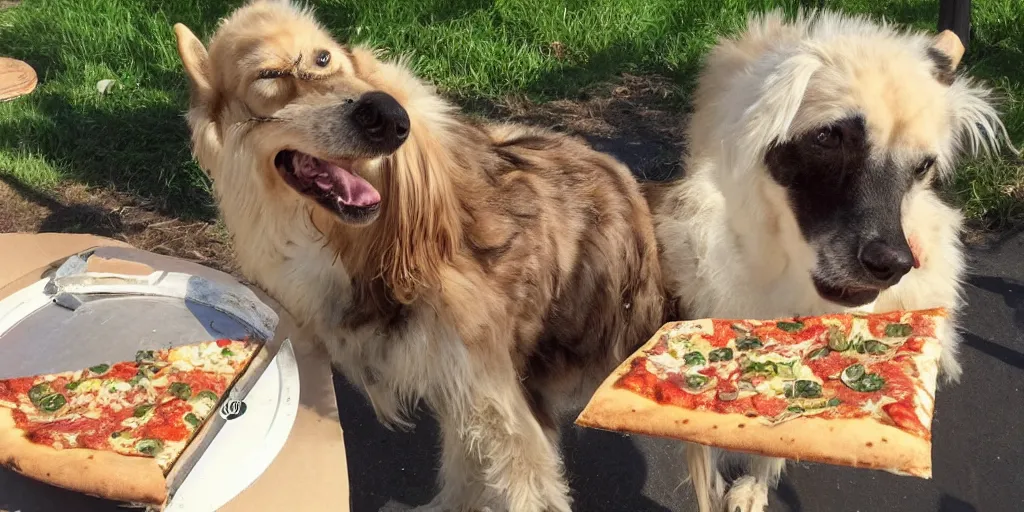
(115,430)
(847,389)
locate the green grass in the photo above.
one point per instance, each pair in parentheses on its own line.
(135,138)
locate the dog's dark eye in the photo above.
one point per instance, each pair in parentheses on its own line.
(323,58)
(922,169)
(828,137)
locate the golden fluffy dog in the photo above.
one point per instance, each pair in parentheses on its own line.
(494,272)
(815,148)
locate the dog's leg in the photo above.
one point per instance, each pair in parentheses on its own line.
(750,493)
(708,484)
(461,489)
(495,450)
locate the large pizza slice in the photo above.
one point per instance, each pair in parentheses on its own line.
(115,430)
(847,389)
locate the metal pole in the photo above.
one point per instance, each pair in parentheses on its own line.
(955,15)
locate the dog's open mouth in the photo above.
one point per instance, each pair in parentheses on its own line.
(844,295)
(332,184)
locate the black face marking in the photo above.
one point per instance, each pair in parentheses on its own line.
(848,207)
(922,169)
(323,58)
(943,71)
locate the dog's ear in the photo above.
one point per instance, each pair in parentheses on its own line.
(948,44)
(196,61)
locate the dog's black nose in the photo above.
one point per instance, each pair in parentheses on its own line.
(887,263)
(384,122)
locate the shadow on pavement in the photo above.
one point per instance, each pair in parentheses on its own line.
(605,470)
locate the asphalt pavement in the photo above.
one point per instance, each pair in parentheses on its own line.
(978,435)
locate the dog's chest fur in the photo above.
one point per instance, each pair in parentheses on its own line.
(278,247)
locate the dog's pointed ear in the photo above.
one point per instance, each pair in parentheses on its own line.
(950,45)
(196,62)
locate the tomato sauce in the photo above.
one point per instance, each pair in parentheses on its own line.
(10,389)
(768,406)
(122,371)
(832,364)
(92,433)
(200,381)
(167,422)
(903,416)
(913,345)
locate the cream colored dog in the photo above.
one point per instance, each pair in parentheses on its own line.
(815,148)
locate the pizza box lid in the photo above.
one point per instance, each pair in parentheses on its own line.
(109,316)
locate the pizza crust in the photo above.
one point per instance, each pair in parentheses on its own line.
(105,474)
(863,443)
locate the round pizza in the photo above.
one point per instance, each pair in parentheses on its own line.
(114,430)
(848,389)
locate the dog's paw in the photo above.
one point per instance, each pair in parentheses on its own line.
(747,495)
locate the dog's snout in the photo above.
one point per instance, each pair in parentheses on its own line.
(382,120)
(886,262)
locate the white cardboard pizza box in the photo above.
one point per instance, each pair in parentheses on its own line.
(311,463)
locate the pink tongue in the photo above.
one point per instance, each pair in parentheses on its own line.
(351,189)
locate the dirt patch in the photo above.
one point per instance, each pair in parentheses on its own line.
(74,208)
(639,119)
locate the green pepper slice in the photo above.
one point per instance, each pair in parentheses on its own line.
(192,419)
(898,330)
(869,383)
(820,353)
(748,342)
(210,395)
(180,390)
(141,410)
(145,356)
(720,354)
(696,381)
(874,347)
(38,392)
(694,359)
(852,374)
(837,339)
(790,326)
(149,446)
(99,369)
(52,402)
(806,389)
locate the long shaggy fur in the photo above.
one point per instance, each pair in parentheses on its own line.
(509,271)
(731,246)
